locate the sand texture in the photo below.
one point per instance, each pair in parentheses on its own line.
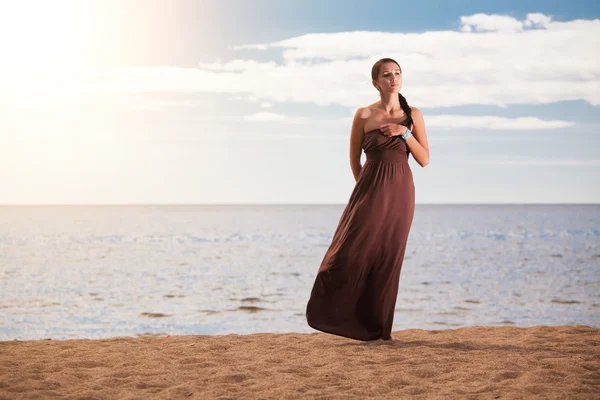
(467,363)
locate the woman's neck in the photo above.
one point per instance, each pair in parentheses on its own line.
(390,103)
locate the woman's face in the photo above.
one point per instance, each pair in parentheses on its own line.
(390,78)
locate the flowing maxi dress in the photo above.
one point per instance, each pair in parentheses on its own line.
(356,287)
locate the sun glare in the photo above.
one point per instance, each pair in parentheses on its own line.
(41,42)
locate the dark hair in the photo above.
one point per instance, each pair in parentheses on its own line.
(403,102)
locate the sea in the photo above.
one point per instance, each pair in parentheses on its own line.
(72,272)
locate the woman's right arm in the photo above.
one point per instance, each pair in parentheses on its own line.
(356,141)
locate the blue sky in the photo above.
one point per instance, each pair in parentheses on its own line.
(190,102)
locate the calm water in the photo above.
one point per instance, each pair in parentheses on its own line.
(94,272)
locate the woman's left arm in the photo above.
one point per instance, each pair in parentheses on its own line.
(417,142)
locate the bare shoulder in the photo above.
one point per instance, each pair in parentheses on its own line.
(363,112)
(361,116)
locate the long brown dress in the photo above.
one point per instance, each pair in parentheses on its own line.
(356,287)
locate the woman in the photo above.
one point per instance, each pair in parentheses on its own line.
(355,290)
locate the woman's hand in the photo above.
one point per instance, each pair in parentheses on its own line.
(391,129)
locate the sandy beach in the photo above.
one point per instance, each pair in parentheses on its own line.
(468,363)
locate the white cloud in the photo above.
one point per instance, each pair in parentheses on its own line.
(492,122)
(502,60)
(252,98)
(494,23)
(439,122)
(539,162)
(502,23)
(537,20)
(238,65)
(266,116)
(144,103)
(483,122)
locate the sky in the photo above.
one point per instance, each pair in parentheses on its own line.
(251,102)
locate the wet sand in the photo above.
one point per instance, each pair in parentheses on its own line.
(467,363)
